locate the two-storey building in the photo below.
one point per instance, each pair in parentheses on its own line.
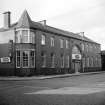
(32,48)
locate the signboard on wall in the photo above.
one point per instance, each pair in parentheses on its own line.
(5,59)
(76,56)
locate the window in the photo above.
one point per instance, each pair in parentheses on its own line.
(52,41)
(87,61)
(32,58)
(67,44)
(62,61)
(25,58)
(84,62)
(43,39)
(92,62)
(25,37)
(32,37)
(83,47)
(61,43)
(43,60)
(18,37)
(52,60)
(67,59)
(87,47)
(17,58)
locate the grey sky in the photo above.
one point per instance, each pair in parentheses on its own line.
(71,15)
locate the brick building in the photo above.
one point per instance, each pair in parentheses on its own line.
(32,48)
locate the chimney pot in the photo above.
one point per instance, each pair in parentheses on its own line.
(7,19)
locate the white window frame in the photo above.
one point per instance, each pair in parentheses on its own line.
(43,55)
(52,60)
(52,41)
(61,43)
(67,44)
(17,59)
(62,61)
(43,39)
(68,61)
(29,58)
(31,38)
(32,66)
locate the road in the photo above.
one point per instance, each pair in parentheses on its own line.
(41,92)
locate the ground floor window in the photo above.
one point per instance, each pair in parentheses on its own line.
(17,58)
(25,58)
(62,60)
(32,58)
(67,61)
(43,56)
(52,60)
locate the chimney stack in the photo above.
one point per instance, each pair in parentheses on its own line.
(7,19)
(43,22)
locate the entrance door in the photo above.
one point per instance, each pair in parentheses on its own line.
(76,59)
(77,67)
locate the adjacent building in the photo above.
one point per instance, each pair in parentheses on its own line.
(34,48)
(103,59)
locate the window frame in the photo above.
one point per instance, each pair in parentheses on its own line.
(29,58)
(17,59)
(62,61)
(43,39)
(67,44)
(68,61)
(43,57)
(30,37)
(61,43)
(52,41)
(52,60)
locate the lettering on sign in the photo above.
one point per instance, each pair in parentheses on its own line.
(5,59)
(76,56)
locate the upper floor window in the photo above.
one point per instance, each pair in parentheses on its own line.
(83,46)
(87,47)
(43,39)
(52,41)
(18,37)
(67,44)
(32,37)
(61,43)
(25,36)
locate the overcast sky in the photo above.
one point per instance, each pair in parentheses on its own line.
(72,15)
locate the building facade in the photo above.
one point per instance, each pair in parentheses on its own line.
(103,59)
(33,48)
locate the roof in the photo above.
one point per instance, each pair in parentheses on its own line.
(26,22)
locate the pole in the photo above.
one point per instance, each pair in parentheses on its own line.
(83,51)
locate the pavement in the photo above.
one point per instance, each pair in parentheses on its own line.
(16,78)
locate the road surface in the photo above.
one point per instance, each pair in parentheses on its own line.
(55,91)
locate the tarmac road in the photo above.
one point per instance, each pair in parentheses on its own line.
(33,92)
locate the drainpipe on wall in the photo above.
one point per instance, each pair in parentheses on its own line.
(82,34)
